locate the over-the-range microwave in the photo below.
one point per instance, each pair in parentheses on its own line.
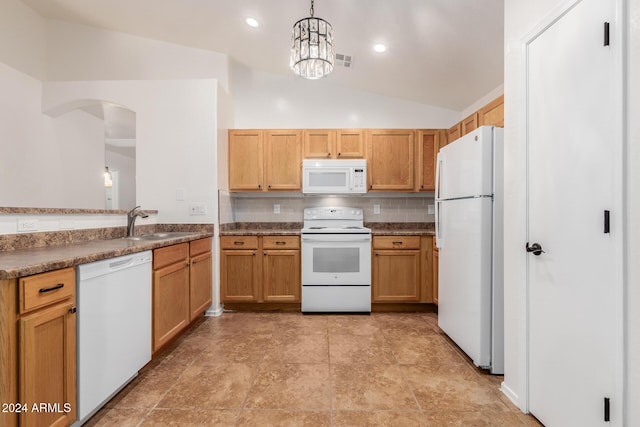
(338,176)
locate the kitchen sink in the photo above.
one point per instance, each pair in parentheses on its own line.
(159,236)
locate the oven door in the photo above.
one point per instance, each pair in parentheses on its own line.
(336,259)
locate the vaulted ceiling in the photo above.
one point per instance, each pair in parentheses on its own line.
(445,53)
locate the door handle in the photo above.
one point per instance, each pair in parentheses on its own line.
(536,248)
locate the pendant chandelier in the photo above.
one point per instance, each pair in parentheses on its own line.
(312,53)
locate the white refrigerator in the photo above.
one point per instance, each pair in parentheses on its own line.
(469,234)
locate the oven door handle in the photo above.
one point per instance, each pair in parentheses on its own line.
(335,238)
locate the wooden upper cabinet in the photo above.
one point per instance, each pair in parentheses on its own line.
(283,155)
(390,159)
(350,144)
(492,114)
(245,160)
(428,146)
(454,133)
(319,143)
(469,124)
(333,144)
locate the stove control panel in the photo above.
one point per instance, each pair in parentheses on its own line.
(333,213)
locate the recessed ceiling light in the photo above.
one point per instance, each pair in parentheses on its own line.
(252,22)
(380,48)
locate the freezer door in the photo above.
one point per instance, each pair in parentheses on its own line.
(465,276)
(465,167)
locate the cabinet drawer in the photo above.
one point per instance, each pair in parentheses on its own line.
(170,255)
(280,242)
(43,289)
(201,246)
(396,242)
(239,242)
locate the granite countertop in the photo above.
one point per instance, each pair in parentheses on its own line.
(293,229)
(25,262)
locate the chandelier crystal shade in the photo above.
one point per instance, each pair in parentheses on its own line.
(312,53)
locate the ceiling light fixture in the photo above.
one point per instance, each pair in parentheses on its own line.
(380,48)
(252,22)
(312,53)
(108,178)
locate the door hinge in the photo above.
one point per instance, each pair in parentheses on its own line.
(607,413)
(606,34)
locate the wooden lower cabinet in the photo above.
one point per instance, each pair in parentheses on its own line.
(182,288)
(260,269)
(200,276)
(38,349)
(401,269)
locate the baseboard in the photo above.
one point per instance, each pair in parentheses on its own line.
(213,311)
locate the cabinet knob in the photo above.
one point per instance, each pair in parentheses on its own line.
(328,154)
(259,185)
(73,310)
(339,154)
(269,185)
(264,253)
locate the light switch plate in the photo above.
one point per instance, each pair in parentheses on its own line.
(198,208)
(276,208)
(431,209)
(376,209)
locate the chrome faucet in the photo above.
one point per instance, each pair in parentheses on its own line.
(131,219)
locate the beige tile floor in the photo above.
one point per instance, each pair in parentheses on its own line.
(289,369)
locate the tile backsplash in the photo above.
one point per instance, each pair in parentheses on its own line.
(255,207)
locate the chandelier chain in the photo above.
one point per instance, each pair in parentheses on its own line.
(311,8)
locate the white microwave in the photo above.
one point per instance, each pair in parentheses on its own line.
(337,176)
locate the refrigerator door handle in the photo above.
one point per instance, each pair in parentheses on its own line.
(438,172)
(439,240)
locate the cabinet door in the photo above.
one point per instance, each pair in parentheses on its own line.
(200,286)
(283,152)
(239,276)
(454,133)
(396,276)
(170,302)
(350,144)
(390,160)
(319,144)
(48,365)
(469,124)
(492,114)
(281,275)
(427,151)
(245,160)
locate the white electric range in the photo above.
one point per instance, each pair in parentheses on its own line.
(336,261)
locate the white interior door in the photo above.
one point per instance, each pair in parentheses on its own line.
(572,112)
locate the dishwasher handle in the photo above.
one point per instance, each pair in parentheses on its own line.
(121,263)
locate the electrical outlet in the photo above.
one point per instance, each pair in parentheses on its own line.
(27,224)
(276,208)
(198,209)
(431,209)
(376,209)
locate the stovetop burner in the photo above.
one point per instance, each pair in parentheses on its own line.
(334,220)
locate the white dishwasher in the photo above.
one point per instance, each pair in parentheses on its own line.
(114,327)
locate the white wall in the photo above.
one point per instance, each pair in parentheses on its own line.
(22,38)
(175,139)
(266,100)
(47,162)
(79,52)
(520,19)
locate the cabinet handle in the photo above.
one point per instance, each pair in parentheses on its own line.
(53,288)
(259,185)
(73,310)
(339,154)
(328,154)
(269,185)
(254,254)
(281,243)
(397,243)
(238,242)
(264,253)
